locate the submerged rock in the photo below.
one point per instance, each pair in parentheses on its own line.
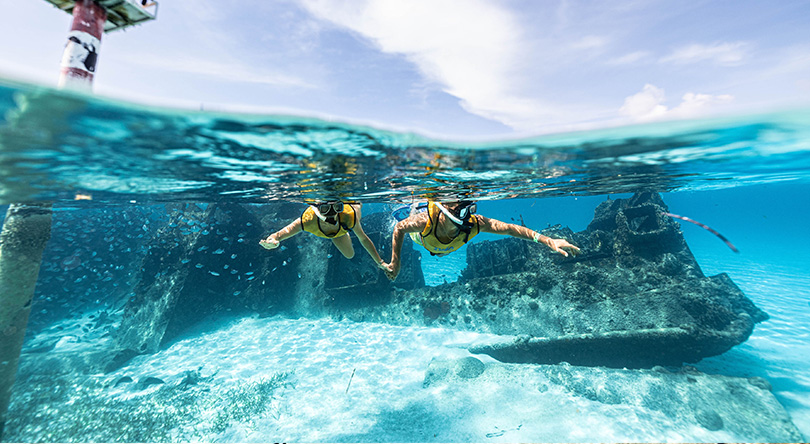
(123,380)
(148,381)
(469,367)
(205,261)
(636,297)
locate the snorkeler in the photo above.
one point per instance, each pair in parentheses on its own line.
(444,228)
(330,220)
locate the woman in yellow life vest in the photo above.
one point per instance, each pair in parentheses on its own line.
(444,228)
(330,220)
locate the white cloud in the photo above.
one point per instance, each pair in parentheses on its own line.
(645,105)
(724,54)
(693,104)
(649,104)
(472,49)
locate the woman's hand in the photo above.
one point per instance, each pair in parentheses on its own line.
(561,245)
(390,270)
(270,243)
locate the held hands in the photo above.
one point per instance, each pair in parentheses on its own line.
(270,243)
(390,271)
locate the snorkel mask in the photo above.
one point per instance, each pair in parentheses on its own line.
(328,212)
(460,214)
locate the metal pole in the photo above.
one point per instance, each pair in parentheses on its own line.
(84,42)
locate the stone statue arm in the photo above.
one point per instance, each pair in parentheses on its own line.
(272,241)
(414,224)
(562,246)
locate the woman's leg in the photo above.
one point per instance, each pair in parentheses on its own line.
(344,244)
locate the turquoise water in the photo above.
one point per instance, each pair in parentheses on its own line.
(747,177)
(58,145)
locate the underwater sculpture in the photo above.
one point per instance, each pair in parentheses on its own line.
(640,297)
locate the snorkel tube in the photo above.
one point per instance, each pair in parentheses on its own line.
(463,225)
(326,219)
(449,215)
(318,213)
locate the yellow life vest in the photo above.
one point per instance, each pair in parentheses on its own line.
(427,238)
(311,223)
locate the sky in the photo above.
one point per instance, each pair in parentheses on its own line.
(449,68)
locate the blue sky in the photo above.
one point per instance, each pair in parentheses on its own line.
(453,68)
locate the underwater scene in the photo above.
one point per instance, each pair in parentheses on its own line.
(642,283)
